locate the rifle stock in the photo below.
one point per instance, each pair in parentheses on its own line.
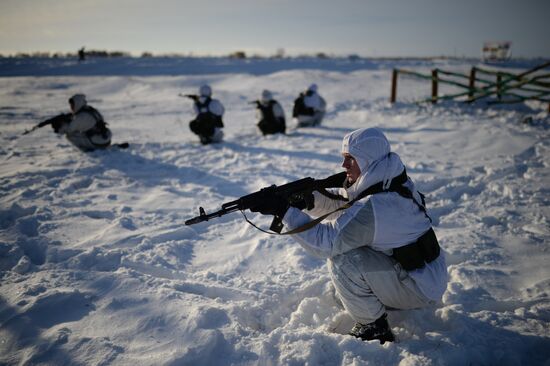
(292,192)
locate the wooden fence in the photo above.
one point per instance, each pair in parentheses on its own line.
(504,86)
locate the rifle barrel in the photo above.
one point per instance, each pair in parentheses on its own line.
(205,217)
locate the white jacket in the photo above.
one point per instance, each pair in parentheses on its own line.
(215,107)
(278,111)
(382,221)
(81,123)
(315,101)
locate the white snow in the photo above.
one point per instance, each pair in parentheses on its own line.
(98,268)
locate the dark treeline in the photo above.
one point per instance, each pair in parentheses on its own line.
(146,54)
(89,53)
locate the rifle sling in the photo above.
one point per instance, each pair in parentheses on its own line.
(318,220)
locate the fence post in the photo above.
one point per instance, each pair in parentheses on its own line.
(393,86)
(499,87)
(472,84)
(434,86)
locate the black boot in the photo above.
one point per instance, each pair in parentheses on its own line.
(379,329)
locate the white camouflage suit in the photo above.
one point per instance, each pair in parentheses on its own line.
(81,123)
(358,241)
(317,103)
(215,107)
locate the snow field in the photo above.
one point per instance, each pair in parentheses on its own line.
(97,267)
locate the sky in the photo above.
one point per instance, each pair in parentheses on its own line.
(371,28)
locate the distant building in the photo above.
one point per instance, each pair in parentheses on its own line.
(496,51)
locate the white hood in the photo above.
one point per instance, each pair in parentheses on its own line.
(371,150)
(205,91)
(79,101)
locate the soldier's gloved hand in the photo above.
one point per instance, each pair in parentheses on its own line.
(307,202)
(271,204)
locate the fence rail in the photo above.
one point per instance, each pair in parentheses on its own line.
(505,86)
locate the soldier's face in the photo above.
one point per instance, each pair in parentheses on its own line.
(352,168)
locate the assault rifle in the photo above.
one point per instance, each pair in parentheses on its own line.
(292,192)
(190,96)
(56,122)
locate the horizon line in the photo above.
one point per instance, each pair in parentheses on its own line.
(105,53)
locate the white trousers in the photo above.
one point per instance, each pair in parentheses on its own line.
(218,135)
(368,281)
(310,121)
(84,143)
